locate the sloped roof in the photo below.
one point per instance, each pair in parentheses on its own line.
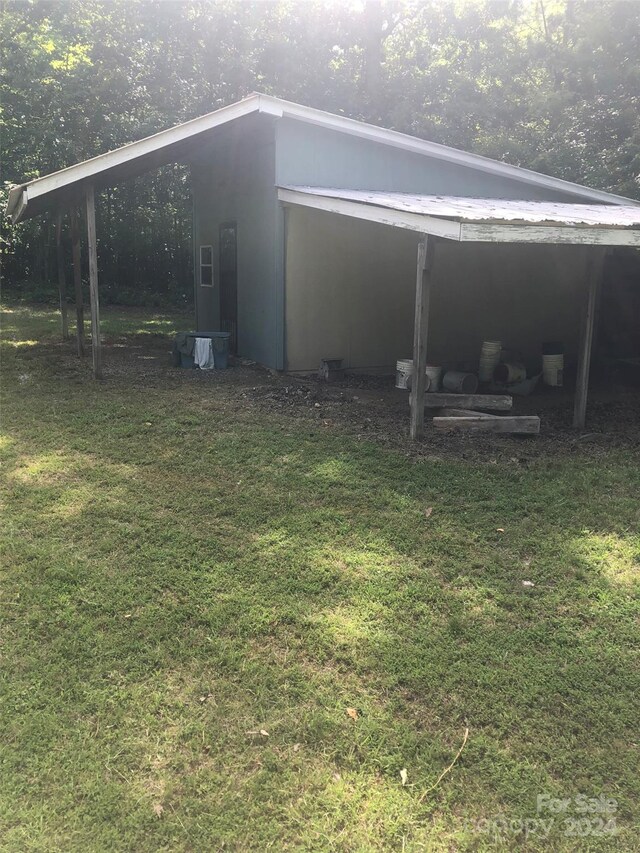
(30,199)
(479,219)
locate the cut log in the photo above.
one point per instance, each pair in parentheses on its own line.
(525,424)
(487,402)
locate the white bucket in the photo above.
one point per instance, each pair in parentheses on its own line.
(404,374)
(489,358)
(404,369)
(434,373)
(553,369)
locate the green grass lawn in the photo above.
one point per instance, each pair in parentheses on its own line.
(182,572)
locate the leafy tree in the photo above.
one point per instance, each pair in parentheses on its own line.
(548,84)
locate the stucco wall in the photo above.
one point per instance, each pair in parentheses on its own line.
(350,290)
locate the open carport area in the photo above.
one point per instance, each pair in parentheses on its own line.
(527,269)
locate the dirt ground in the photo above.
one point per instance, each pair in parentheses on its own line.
(371,408)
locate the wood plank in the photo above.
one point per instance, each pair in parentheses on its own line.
(596,264)
(576,235)
(424,270)
(462,413)
(484,402)
(62,281)
(93,282)
(524,424)
(77,280)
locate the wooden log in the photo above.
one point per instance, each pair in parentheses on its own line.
(525,424)
(62,281)
(96,349)
(420,329)
(77,280)
(584,356)
(488,402)
(462,413)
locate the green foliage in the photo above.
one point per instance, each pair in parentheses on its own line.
(550,85)
(183,569)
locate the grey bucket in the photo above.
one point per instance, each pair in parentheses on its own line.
(459,382)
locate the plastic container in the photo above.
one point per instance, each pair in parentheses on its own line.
(404,369)
(489,359)
(404,374)
(459,382)
(434,372)
(553,370)
(219,347)
(508,373)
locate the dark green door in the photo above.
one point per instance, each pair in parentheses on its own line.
(229,283)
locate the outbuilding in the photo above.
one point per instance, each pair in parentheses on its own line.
(307,227)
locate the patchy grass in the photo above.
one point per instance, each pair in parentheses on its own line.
(182,571)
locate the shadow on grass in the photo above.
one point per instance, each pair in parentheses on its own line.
(181,577)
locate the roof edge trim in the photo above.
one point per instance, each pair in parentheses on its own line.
(21,194)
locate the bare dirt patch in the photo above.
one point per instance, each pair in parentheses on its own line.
(371,408)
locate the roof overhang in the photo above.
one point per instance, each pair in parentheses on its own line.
(479,219)
(176,143)
(172,145)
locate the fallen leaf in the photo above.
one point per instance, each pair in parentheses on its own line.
(500,529)
(158,808)
(296,747)
(337,777)
(428,511)
(404,776)
(353,713)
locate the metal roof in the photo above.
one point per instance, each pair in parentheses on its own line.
(479,219)
(175,143)
(488,209)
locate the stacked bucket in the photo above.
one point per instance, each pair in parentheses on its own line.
(553,363)
(489,359)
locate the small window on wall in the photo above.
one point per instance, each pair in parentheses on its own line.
(206,266)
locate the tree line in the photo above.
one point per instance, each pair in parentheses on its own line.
(546,84)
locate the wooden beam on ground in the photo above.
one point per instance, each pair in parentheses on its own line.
(595,267)
(523,424)
(62,281)
(424,271)
(93,282)
(77,280)
(484,402)
(462,413)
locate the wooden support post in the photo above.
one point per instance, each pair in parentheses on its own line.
(93,282)
(584,356)
(62,281)
(77,280)
(421,326)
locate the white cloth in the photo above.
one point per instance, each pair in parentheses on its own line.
(203,354)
